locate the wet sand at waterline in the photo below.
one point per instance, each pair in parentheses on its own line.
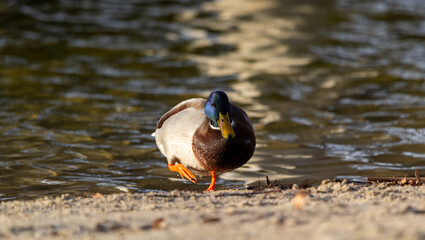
(332,210)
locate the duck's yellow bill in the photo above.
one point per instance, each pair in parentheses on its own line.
(226,128)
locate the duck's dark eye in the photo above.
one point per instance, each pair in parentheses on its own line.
(213,104)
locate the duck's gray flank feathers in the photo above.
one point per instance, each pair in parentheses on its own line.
(197,103)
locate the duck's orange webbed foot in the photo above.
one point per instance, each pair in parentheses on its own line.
(212,184)
(182,170)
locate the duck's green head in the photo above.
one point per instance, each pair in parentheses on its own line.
(217,110)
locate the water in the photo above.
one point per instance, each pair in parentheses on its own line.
(334,89)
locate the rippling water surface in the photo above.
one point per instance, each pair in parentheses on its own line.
(334,89)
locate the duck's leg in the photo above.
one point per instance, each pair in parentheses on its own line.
(182,170)
(212,184)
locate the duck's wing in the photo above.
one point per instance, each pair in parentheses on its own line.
(175,129)
(197,103)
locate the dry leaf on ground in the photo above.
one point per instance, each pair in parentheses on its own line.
(97,196)
(300,199)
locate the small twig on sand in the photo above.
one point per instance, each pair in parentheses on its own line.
(391,179)
(412,181)
(419,180)
(268,181)
(416,181)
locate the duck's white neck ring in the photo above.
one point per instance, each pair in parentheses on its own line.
(215,128)
(218,128)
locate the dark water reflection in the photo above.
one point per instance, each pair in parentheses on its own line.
(334,88)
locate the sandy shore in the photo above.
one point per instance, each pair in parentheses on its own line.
(333,210)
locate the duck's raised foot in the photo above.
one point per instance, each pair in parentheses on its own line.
(182,170)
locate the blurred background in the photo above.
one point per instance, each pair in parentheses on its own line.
(335,89)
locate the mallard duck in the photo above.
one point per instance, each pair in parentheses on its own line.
(205,137)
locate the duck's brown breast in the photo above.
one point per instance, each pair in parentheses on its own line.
(219,154)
